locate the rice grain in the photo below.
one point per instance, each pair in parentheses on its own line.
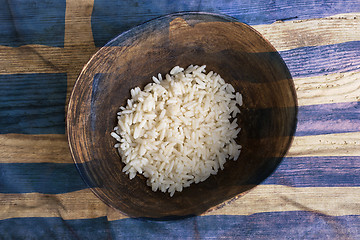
(180,129)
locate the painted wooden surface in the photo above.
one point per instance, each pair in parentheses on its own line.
(313,194)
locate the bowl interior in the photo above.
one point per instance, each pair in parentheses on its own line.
(232,49)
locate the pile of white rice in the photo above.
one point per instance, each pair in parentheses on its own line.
(177,131)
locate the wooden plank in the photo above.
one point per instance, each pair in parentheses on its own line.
(321,60)
(341,144)
(78,30)
(83,204)
(333,88)
(339,87)
(47,178)
(74,205)
(79,42)
(317,171)
(23,148)
(30,22)
(32,59)
(334,201)
(312,32)
(33,103)
(267,225)
(328,119)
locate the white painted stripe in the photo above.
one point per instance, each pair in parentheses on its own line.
(332,201)
(25,148)
(332,88)
(312,32)
(83,204)
(340,144)
(74,205)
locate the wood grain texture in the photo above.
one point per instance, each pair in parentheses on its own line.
(47,178)
(83,204)
(32,22)
(319,171)
(30,109)
(78,48)
(32,59)
(332,88)
(268,225)
(23,148)
(328,119)
(321,60)
(344,144)
(78,30)
(312,32)
(116,17)
(78,42)
(334,201)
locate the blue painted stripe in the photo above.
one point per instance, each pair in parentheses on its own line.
(53,178)
(328,118)
(54,228)
(49,178)
(333,171)
(110,17)
(32,22)
(321,60)
(33,103)
(272,225)
(312,119)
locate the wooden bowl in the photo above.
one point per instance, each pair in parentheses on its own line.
(234,50)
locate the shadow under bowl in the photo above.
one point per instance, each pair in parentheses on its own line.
(234,50)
